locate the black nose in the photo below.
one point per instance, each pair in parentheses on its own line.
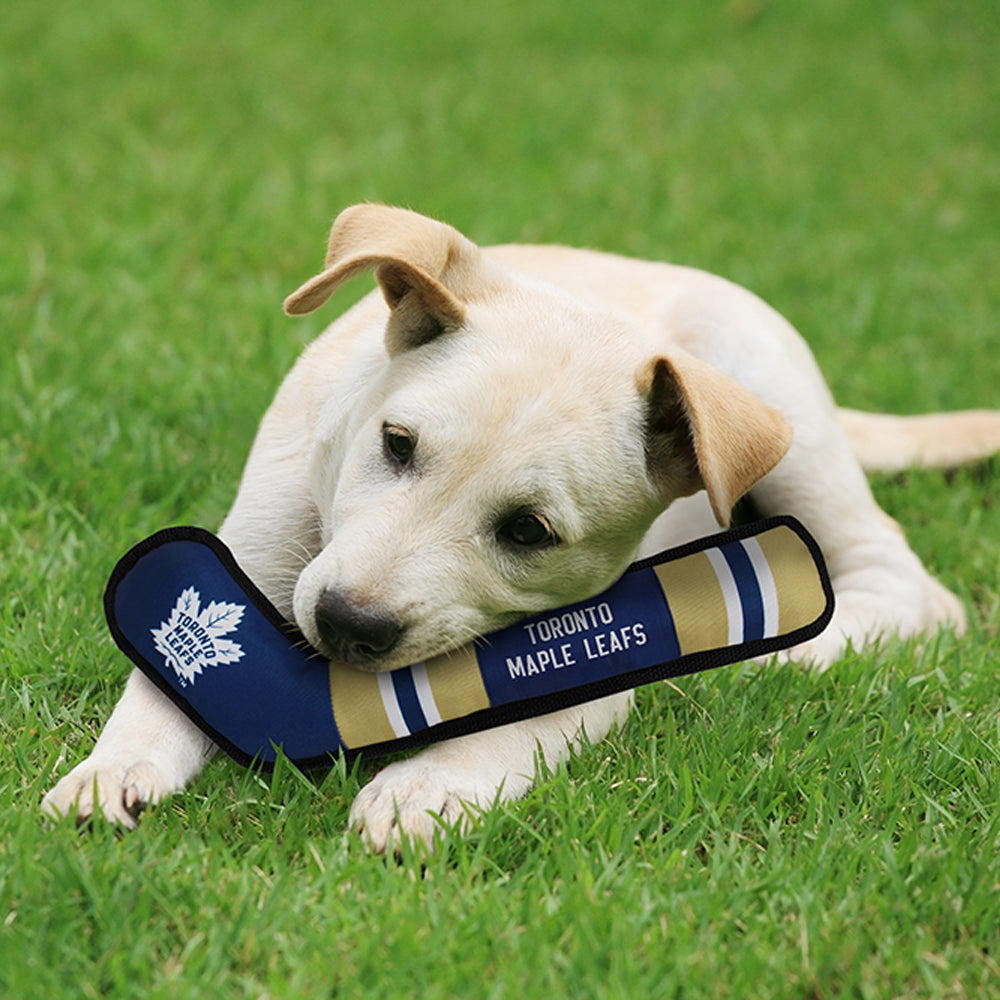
(355,634)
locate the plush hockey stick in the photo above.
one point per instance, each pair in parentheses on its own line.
(185,613)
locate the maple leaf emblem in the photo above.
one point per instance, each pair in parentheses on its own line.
(192,638)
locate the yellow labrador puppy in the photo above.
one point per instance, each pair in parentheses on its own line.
(494,433)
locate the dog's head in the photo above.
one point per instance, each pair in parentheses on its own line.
(510,455)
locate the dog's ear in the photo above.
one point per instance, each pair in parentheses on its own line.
(705,430)
(427,271)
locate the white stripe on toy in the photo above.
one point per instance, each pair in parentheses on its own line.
(424,694)
(730,594)
(391,704)
(765,580)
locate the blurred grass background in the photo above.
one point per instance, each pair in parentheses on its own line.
(169,172)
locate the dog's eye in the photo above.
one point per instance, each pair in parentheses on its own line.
(527,531)
(399,445)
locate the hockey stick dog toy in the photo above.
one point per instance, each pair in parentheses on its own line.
(185,613)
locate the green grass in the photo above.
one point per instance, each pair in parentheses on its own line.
(168,173)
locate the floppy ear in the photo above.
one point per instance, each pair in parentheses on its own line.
(704,429)
(426,270)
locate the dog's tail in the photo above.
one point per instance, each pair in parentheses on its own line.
(884,443)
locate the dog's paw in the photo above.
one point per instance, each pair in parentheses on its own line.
(817,654)
(861,618)
(412,800)
(118,791)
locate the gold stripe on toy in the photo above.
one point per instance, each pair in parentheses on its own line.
(801,598)
(457,683)
(692,590)
(358,710)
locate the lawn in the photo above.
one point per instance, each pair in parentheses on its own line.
(168,173)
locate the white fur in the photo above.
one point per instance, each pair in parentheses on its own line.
(536,395)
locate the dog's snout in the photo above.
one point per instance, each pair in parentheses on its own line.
(352,632)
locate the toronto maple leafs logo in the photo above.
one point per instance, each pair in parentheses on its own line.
(192,638)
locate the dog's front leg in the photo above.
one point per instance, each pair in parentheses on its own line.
(447,783)
(147,750)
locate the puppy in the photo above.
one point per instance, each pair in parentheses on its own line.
(494,433)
